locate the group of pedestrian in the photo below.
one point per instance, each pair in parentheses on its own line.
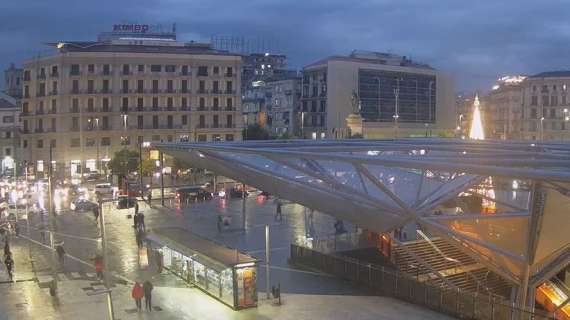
(140,291)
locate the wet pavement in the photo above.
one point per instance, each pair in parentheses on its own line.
(306,294)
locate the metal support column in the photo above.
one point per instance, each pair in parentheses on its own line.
(161,178)
(267,278)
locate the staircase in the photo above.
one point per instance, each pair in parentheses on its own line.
(457,267)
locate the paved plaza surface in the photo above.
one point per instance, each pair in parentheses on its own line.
(306,294)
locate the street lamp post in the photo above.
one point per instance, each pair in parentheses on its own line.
(98,163)
(566,119)
(105,265)
(542,128)
(302,124)
(397,102)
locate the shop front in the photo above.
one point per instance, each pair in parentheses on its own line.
(224,273)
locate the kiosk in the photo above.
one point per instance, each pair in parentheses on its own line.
(224,273)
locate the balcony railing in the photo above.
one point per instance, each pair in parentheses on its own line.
(202,91)
(54,74)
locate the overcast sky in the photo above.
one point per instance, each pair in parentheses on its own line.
(476,41)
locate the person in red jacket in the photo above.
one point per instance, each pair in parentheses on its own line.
(99,267)
(138,294)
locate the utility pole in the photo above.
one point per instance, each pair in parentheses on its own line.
(161,178)
(267,277)
(105,265)
(50,183)
(140,167)
(396,115)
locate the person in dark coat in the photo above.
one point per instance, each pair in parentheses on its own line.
(147,287)
(140,237)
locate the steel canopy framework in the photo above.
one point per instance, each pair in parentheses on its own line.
(505,203)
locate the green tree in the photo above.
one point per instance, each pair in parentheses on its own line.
(148,166)
(124,161)
(255,132)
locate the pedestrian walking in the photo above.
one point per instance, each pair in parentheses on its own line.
(150,197)
(141,221)
(278,213)
(140,237)
(147,287)
(7,251)
(96,214)
(136,207)
(136,221)
(60,253)
(99,267)
(138,294)
(9,262)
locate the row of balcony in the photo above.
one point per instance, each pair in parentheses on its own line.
(136,91)
(144,127)
(43,76)
(132,109)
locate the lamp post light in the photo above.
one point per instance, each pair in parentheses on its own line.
(302,124)
(566,119)
(541,128)
(144,144)
(396,116)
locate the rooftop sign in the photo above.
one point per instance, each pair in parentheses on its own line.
(137,28)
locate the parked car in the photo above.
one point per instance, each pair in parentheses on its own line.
(126,202)
(79,205)
(104,189)
(238,193)
(192,194)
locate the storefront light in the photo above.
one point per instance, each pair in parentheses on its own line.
(245,265)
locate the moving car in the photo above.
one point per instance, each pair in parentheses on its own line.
(83,205)
(104,189)
(192,194)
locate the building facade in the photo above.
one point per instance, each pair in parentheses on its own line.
(13,81)
(283,95)
(9,134)
(92,99)
(392,96)
(502,109)
(546,106)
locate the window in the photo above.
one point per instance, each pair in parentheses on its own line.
(125,140)
(140,86)
(90,105)
(105,141)
(155,122)
(545,100)
(184,86)
(125,104)
(229,121)
(202,71)
(25,108)
(202,103)
(8,152)
(534,101)
(170,68)
(216,137)
(53,106)
(40,108)
(215,121)
(53,143)
(533,113)
(105,123)
(216,87)
(140,122)
(89,142)
(91,68)
(314,106)
(54,87)
(74,70)
(554,101)
(202,121)
(229,72)
(140,68)
(202,86)
(105,104)
(202,138)
(75,142)
(216,70)
(90,86)
(216,104)
(552,113)
(170,86)
(8,134)
(154,103)
(140,104)
(154,86)
(40,125)
(74,124)
(25,144)
(563,100)
(155,68)
(169,103)
(75,86)
(229,86)
(229,137)
(126,69)
(105,86)
(8,119)
(170,122)
(53,125)
(184,70)
(184,120)
(106,69)
(184,103)
(155,137)
(323,106)
(125,86)
(229,103)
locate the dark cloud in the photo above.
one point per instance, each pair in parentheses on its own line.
(477,41)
